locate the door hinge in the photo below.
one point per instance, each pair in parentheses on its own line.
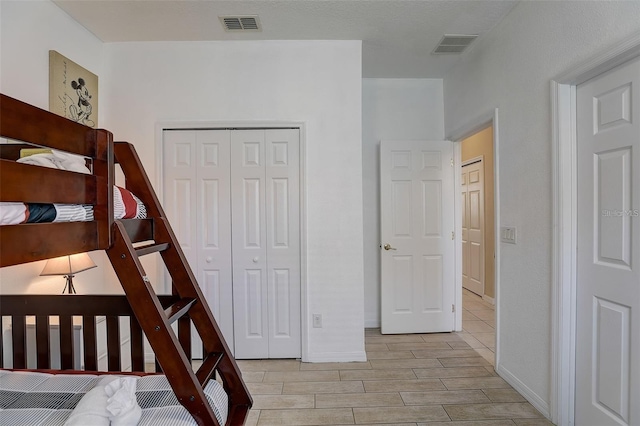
(453,235)
(453,308)
(452,162)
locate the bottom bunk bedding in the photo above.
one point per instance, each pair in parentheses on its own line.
(125,206)
(16,213)
(35,398)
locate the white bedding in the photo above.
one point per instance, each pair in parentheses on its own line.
(58,160)
(41,399)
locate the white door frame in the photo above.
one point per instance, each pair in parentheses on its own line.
(240,125)
(485,120)
(563,112)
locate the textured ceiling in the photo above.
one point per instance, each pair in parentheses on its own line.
(398,35)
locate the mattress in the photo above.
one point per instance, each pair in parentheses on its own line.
(42,399)
(126,205)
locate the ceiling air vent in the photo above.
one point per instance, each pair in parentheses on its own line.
(241,23)
(454,43)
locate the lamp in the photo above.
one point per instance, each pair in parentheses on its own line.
(68,266)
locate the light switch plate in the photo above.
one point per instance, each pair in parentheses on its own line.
(508,234)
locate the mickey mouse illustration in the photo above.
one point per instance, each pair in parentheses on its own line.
(82,111)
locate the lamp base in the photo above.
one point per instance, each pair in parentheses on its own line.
(69,285)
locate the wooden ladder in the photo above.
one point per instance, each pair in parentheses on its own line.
(172,352)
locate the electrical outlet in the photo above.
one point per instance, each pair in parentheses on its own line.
(317,321)
(508,234)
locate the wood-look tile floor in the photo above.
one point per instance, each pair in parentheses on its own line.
(478,325)
(414,379)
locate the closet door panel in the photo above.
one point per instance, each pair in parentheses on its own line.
(248,242)
(252,206)
(197,200)
(179,183)
(213,225)
(282,173)
(280,206)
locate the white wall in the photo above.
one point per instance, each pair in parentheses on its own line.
(511,69)
(315,82)
(392,109)
(143,84)
(28,30)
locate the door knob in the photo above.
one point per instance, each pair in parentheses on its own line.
(388,247)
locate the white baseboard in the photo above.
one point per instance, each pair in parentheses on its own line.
(359,356)
(372,323)
(489,299)
(535,400)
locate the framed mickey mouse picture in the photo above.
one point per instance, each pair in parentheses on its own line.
(73,90)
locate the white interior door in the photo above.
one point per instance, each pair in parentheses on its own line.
(266,243)
(473,227)
(197,198)
(608,259)
(417,247)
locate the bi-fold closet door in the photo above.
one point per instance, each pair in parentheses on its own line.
(233,199)
(265,198)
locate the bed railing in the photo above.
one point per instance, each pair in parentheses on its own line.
(23,126)
(68,310)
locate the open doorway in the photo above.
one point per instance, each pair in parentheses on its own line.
(478,241)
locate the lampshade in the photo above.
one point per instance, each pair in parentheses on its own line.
(68,265)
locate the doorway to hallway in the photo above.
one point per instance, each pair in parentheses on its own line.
(477,194)
(478,219)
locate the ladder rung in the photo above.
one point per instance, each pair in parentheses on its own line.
(138,229)
(178,309)
(208,367)
(151,248)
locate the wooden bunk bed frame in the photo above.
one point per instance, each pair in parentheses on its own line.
(149,314)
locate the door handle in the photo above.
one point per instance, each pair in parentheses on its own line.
(388,247)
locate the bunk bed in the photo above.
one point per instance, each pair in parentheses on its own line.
(165,320)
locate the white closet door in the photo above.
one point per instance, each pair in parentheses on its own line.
(179,187)
(197,202)
(266,243)
(249,244)
(283,241)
